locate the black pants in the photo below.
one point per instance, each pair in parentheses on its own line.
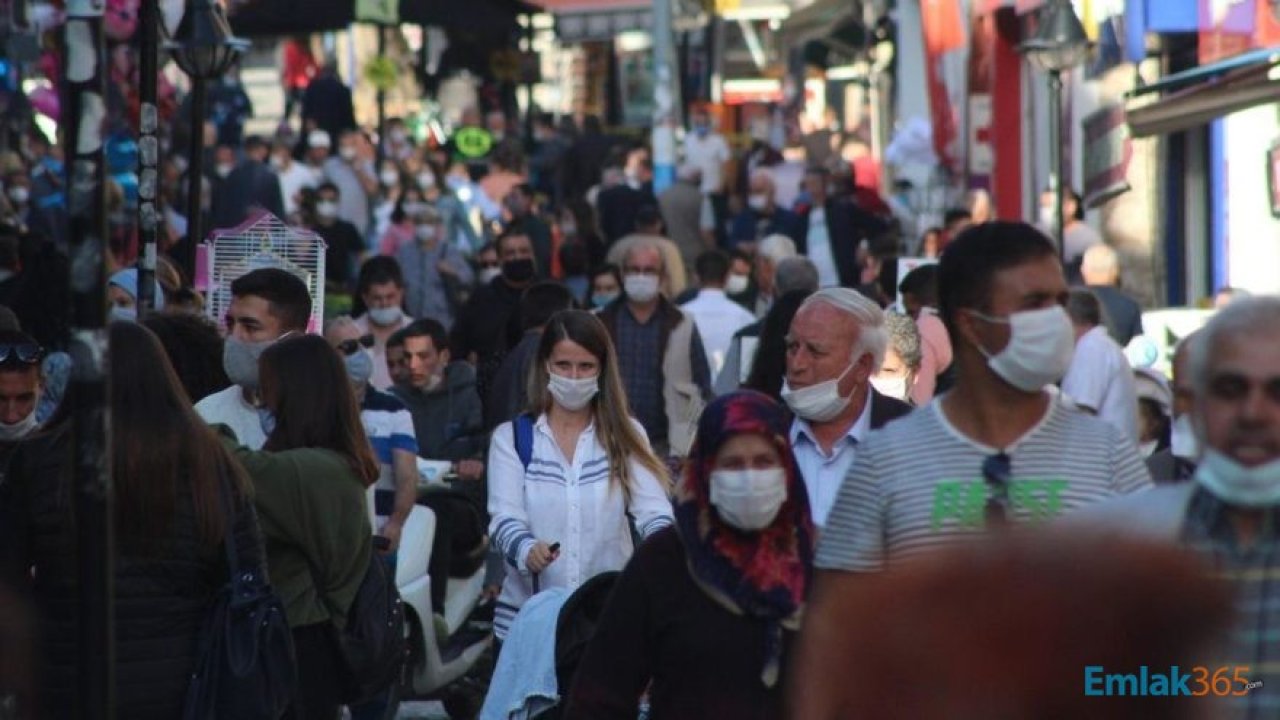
(319,673)
(460,528)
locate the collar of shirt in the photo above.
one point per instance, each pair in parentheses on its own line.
(800,428)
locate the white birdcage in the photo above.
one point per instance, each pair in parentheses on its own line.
(263,241)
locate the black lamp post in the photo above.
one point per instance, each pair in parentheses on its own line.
(1058,45)
(204,48)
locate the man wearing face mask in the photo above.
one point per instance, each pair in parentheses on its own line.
(836,343)
(435,272)
(1178,461)
(619,206)
(488,325)
(716,316)
(832,229)
(660,354)
(266,305)
(521,209)
(251,185)
(343,242)
(896,376)
(21,386)
(1226,514)
(352,171)
(998,449)
(381,288)
(122,295)
(762,217)
(1099,379)
(293,177)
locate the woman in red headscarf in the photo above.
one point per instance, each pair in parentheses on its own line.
(705,612)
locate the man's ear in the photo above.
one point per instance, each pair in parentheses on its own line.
(444,357)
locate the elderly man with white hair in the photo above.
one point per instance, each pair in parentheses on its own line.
(687,213)
(1101,272)
(792,275)
(762,216)
(771,251)
(837,342)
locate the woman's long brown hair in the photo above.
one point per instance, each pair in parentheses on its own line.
(158,442)
(621,441)
(304,383)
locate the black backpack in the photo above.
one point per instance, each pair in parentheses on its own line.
(372,642)
(245,668)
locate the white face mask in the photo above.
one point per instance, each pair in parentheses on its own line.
(758,202)
(426,181)
(389,178)
(894,387)
(20,429)
(223,170)
(819,402)
(426,232)
(488,274)
(347,153)
(414,208)
(641,288)
(1041,344)
(19,194)
(385,317)
(1257,486)
(749,499)
(1049,216)
(1183,442)
(279,163)
(327,210)
(572,393)
(736,284)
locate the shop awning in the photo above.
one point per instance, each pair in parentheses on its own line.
(1206,93)
(587,20)
(835,22)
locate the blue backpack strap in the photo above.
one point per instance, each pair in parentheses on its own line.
(522,429)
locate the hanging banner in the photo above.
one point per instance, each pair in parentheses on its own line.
(1108,149)
(943,31)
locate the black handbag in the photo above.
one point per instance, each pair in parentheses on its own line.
(246,668)
(372,641)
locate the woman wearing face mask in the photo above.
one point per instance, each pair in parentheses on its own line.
(435,271)
(606,286)
(897,374)
(402,224)
(390,188)
(562,518)
(309,488)
(458,230)
(706,612)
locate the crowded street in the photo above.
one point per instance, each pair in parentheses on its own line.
(639,359)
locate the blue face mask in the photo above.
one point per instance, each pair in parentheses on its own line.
(268,421)
(359,367)
(54,165)
(123,314)
(601,299)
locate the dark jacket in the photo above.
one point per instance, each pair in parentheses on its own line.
(618,207)
(161,598)
(1123,314)
(847,225)
(449,420)
(885,409)
(487,325)
(1167,468)
(750,226)
(508,393)
(251,185)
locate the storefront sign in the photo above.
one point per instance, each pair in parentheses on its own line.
(574,27)
(1108,148)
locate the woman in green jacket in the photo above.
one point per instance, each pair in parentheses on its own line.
(309,488)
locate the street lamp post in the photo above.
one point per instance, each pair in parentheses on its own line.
(204,48)
(1059,44)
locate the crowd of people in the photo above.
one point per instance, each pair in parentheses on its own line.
(825,484)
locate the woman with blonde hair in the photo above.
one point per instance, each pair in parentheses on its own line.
(569,477)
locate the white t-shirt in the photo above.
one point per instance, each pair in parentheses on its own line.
(1101,380)
(717,318)
(293,181)
(819,250)
(228,407)
(709,153)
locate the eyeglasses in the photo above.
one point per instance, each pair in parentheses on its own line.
(997,470)
(349,347)
(27,353)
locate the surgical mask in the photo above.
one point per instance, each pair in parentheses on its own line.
(572,393)
(389,177)
(359,367)
(223,170)
(240,361)
(894,387)
(267,420)
(488,274)
(1041,344)
(414,208)
(749,499)
(1183,442)
(124,314)
(279,163)
(327,209)
(426,180)
(736,284)
(1049,216)
(569,229)
(520,270)
(1233,483)
(385,317)
(426,232)
(701,129)
(601,299)
(819,402)
(19,194)
(641,288)
(455,182)
(22,428)
(758,202)
(347,153)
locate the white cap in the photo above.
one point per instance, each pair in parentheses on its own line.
(319,139)
(1152,385)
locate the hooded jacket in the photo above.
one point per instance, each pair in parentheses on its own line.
(448,420)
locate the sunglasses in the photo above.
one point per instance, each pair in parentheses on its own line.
(350,347)
(997,470)
(28,353)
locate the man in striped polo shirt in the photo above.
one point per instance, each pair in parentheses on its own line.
(998,449)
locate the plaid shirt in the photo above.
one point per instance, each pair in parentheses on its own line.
(640,362)
(1254,572)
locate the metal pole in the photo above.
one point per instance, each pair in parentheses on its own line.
(382,100)
(195,172)
(666,91)
(528,86)
(85,86)
(1055,159)
(148,152)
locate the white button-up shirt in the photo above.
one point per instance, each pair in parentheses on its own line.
(717,318)
(823,473)
(576,504)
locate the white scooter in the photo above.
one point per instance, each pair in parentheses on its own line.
(435,670)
